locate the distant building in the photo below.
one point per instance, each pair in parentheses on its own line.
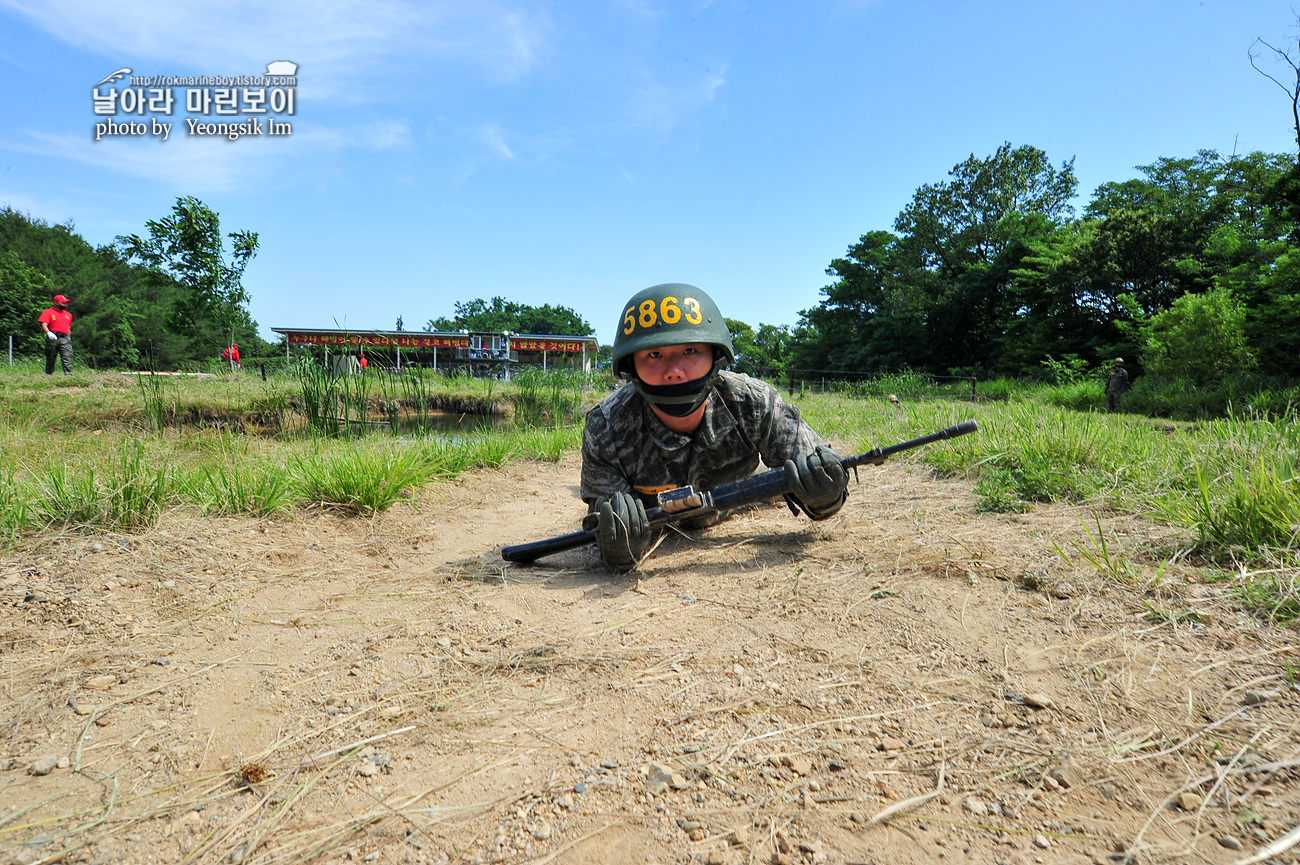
(479,353)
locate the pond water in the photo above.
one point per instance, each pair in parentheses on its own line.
(454,426)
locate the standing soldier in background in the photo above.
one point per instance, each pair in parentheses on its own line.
(57,324)
(1116,384)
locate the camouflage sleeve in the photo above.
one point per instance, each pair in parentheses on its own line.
(600,476)
(782,433)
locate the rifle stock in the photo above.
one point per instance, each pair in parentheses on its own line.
(755,488)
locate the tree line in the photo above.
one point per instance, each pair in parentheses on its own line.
(169,296)
(500,315)
(173,295)
(1190,270)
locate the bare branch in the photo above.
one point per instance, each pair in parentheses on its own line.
(1293,93)
(1251,54)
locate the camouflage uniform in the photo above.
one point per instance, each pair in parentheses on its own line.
(626,448)
(1116,384)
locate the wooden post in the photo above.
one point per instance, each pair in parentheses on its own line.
(972,387)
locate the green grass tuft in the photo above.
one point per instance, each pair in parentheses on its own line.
(230,490)
(359,479)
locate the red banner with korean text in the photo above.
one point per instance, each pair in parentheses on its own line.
(523,343)
(414,340)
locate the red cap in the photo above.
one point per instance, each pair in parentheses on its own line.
(58,298)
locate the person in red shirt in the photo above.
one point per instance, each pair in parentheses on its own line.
(231,355)
(362,361)
(57,324)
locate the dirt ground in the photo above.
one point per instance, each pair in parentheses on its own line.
(910,681)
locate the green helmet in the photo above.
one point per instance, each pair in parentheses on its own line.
(669,314)
(672,314)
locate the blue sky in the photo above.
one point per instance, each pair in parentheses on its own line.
(574,153)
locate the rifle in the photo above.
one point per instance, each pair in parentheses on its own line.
(684,502)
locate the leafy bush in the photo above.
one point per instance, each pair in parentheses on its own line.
(1200,338)
(1160,396)
(1080,395)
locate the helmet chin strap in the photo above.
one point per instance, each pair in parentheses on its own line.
(679,400)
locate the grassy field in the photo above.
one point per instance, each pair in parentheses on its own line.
(106,452)
(102,452)
(1231,485)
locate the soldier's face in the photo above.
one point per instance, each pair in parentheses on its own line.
(674,364)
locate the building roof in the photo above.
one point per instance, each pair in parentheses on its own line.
(362,336)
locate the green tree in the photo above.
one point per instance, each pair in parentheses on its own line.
(974,218)
(762,353)
(187,246)
(1273,324)
(937,295)
(1199,338)
(24,292)
(1185,226)
(968,234)
(873,317)
(501,315)
(121,311)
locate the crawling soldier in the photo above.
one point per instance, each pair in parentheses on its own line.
(686,420)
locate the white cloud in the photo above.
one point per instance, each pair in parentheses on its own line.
(660,107)
(492,137)
(333,41)
(198,164)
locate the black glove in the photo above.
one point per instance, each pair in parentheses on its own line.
(622,530)
(818,482)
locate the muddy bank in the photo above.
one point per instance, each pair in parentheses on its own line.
(287,413)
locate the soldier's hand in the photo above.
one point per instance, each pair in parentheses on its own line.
(49,334)
(818,482)
(622,530)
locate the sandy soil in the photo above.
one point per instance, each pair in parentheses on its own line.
(909,681)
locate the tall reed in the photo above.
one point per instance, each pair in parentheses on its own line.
(416,383)
(153,392)
(319,388)
(547,397)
